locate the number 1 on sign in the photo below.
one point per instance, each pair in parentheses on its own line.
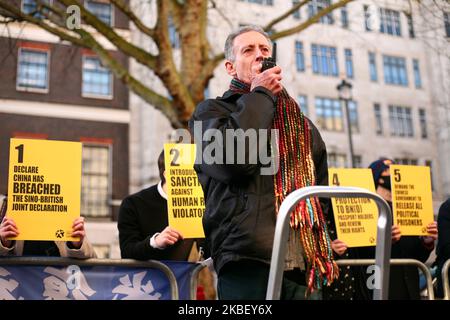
(20,156)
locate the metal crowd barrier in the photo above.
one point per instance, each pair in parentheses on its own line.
(396,262)
(383,248)
(445,284)
(193,281)
(96,263)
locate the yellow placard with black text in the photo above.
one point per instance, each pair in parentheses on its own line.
(411,198)
(185,201)
(355,218)
(44,188)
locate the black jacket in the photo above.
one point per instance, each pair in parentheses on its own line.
(142,215)
(239,220)
(443,245)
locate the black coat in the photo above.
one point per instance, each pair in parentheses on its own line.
(239,220)
(142,215)
(443,245)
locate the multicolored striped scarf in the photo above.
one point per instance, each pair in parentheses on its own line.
(296,170)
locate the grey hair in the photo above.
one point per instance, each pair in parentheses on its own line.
(229,52)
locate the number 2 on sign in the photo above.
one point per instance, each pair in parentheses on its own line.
(176,154)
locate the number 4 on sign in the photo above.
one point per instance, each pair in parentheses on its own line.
(336,180)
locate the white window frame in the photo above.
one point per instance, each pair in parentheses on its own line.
(31,89)
(50,3)
(112,25)
(110,178)
(91,95)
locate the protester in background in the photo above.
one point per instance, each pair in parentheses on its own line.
(81,249)
(404,280)
(443,244)
(144,233)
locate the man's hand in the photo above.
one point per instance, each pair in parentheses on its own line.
(339,247)
(167,237)
(78,231)
(8,229)
(395,233)
(432,230)
(269,79)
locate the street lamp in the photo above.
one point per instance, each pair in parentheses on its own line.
(345,94)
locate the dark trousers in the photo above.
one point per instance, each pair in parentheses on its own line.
(247,280)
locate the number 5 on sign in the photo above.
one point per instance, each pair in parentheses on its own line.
(185,202)
(44,188)
(411,198)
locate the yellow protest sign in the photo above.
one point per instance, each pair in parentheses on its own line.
(185,201)
(355,218)
(411,198)
(44,188)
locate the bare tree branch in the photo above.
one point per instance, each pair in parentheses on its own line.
(108,32)
(310,21)
(130,14)
(63,34)
(161,103)
(285,15)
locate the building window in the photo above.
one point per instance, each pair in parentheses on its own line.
(353,114)
(378,119)
(344,16)
(349,63)
(447,24)
(337,160)
(296,13)
(400,121)
(173,35)
(97,80)
(33,73)
(417,78)
(373,67)
(390,22)
(34,8)
(96,180)
(406,161)
(324,60)
(315,6)
(367,18)
(102,10)
(329,114)
(395,71)
(410,25)
(357,161)
(264,2)
(299,56)
(423,124)
(303,104)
